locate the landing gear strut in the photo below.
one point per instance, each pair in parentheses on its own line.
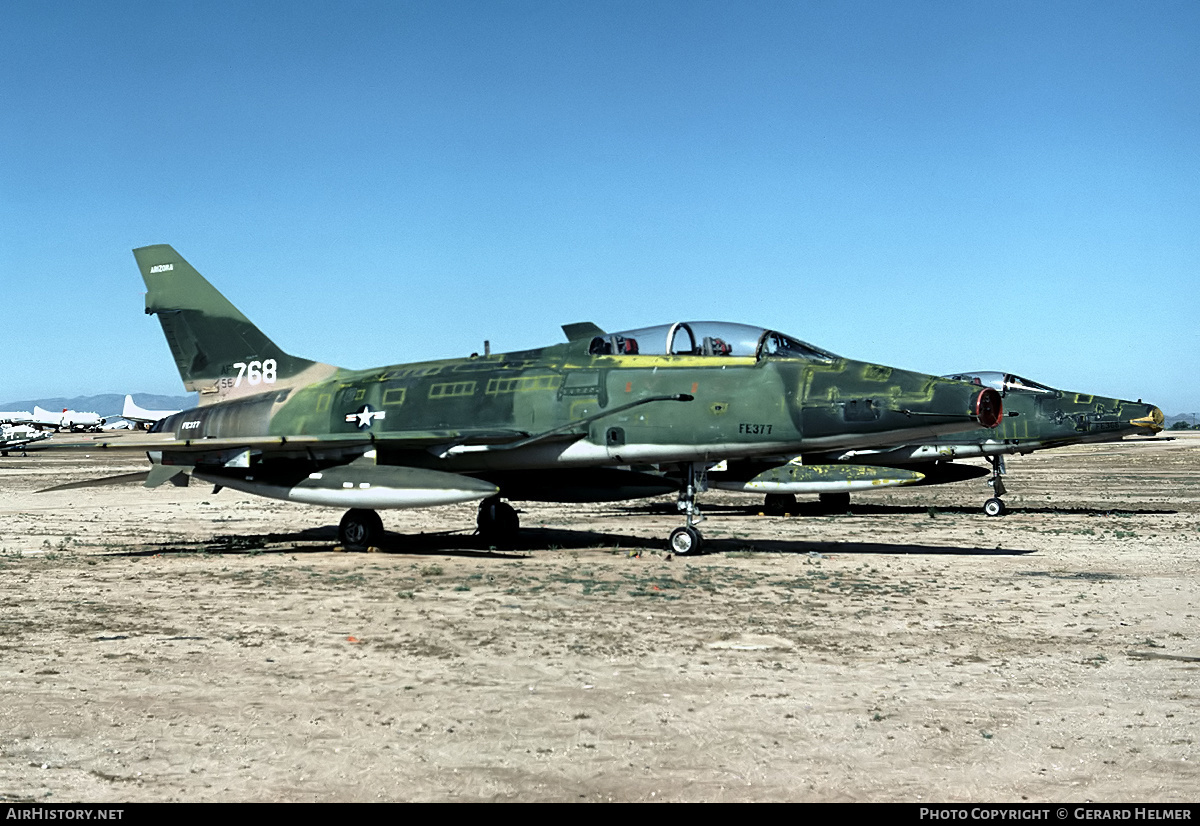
(687,540)
(360,529)
(498,522)
(995,505)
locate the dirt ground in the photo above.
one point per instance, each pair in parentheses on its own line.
(175,645)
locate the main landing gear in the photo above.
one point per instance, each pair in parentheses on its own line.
(687,540)
(498,522)
(360,529)
(995,505)
(780,504)
(834,502)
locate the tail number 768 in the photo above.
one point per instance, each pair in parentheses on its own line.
(264,372)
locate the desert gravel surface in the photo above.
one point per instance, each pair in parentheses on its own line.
(179,645)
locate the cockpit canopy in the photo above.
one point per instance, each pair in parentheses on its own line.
(1004,382)
(705,338)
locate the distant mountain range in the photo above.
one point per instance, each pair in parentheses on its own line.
(107,405)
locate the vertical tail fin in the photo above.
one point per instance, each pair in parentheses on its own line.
(219,352)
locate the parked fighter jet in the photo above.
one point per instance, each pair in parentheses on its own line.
(1037,417)
(140,416)
(559,423)
(18,438)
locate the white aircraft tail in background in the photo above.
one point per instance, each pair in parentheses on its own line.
(141,416)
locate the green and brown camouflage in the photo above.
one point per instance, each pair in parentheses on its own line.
(567,422)
(220,354)
(1037,417)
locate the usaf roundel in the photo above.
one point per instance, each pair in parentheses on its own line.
(365,415)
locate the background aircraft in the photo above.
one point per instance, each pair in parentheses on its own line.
(142,417)
(560,423)
(66,420)
(17,438)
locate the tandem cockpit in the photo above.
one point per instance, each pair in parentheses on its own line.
(705,338)
(1004,382)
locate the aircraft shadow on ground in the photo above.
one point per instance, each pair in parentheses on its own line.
(537,540)
(813,509)
(462,543)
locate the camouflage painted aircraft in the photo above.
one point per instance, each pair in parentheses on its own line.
(560,423)
(1037,417)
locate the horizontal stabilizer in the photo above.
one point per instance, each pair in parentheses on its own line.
(123,479)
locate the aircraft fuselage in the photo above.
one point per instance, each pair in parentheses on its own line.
(572,409)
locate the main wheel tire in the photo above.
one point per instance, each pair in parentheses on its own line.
(686,541)
(777,504)
(835,502)
(994,507)
(360,529)
(498,521)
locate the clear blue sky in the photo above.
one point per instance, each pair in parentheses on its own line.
(939,186)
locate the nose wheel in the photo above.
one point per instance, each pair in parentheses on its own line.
(686,541)
(995,505)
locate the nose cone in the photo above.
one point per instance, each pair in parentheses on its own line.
(1152,422)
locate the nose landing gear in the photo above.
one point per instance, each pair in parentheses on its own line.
(995,505)
(687,540)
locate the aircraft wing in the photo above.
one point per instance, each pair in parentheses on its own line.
(410,439)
